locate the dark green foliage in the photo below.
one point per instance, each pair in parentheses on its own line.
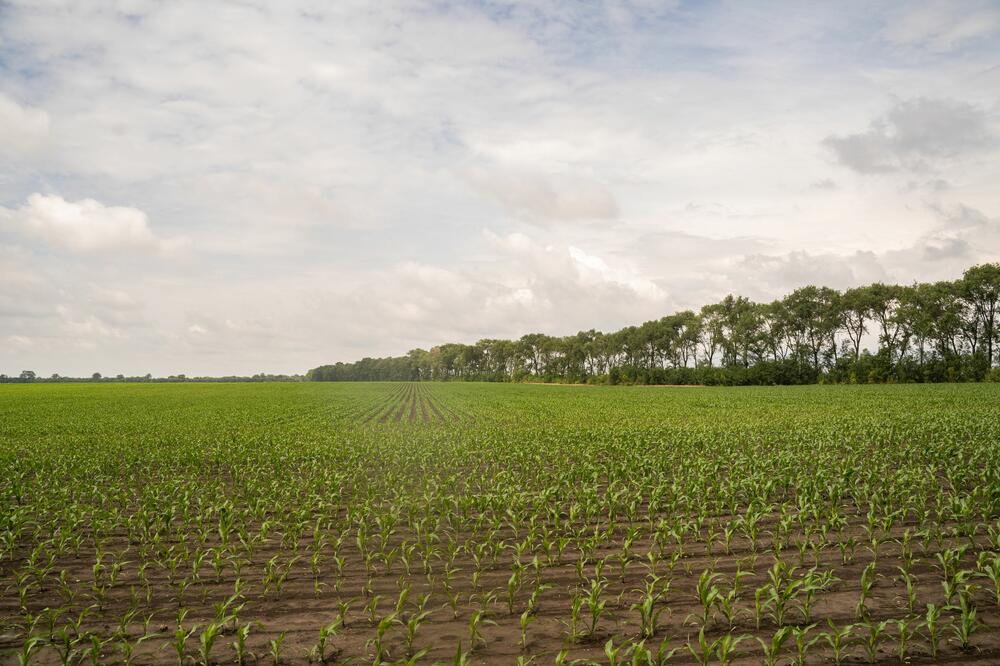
(929,332)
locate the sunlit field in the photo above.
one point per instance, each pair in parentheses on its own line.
(486,523)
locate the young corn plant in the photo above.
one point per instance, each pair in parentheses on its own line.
(759,605)
(772,648)
(910,583)
(320,652)
(812,583)
(524,622)
(477,621)
(536,594)
(838,639)
(949,560)
(206,641)
(377,643)
(411,660)
(595,603)
(989,568)
(617,655)
(65,642)
(180,639)
(967,623)
(412,626)
(871,641)
(727,645)
(513,587)
(461,657)
(371,608)
(707,594)
(904,633)
(575,613)
(29,646)
(644,656)
(274,648)
(343,608)
(128,646)
(779,594)
(932,628)
(649,614)
(868,580)
(94,650)
(704,651)
(954,583)
(803,643)
(240,652)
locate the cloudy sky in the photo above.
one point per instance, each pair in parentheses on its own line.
(253,186)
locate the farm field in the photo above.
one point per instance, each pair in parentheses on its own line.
(499,524)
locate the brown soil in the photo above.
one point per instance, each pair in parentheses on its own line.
(307,601)
(298,610)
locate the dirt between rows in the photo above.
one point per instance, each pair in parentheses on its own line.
(298,611)
(411,402)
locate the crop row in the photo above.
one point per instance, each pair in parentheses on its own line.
(646,526)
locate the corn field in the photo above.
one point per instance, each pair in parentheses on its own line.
(461,523)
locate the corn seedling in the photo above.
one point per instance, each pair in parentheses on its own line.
(966,623)
(873,639)
(772,648)
(239,645)
(476,623)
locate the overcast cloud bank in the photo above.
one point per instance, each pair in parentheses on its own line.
(229,189)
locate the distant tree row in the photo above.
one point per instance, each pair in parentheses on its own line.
(925,332)
(31,377)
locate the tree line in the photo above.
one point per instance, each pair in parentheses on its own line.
(32,377)
(924,332)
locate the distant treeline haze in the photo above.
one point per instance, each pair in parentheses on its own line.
(929,332)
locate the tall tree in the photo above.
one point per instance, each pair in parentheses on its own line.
(855,308)
(884,302)
(981,287)
(943,321)
(812,316)
(712,334)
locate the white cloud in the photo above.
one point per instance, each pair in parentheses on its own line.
(825,184)
(335,165)
(543,198)
(89,331)
(942,25)
(593,269)
(916,135)
(24,129)
(85,226)
(113,299)
(18,341)
(962,237)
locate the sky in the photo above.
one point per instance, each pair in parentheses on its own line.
(230,188)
